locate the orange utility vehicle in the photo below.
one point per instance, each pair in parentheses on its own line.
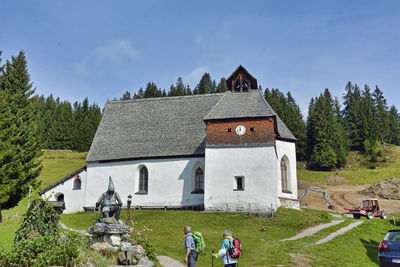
(370,209)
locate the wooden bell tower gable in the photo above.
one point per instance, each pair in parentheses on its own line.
(241,81)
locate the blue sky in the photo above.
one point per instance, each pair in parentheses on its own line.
(100,49)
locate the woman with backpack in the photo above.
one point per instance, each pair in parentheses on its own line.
(229,252)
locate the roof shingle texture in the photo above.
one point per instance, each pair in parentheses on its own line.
(171,126)
(154,127)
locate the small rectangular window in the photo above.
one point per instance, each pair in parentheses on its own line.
(229,130)
(251,129)
(239,183)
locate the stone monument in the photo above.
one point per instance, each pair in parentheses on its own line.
(107,231)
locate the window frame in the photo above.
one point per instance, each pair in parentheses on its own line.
(236,185)
(74,187)
(285,179)
(143,182)
(198,181)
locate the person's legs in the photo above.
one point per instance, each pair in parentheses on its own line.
(230,265)
(106,214)
(192,259)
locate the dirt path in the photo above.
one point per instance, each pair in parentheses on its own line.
(312,230)
(168,261)
(341,231)
(343,196)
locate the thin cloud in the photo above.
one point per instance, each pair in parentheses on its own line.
(195,75)
(200,40)
(116,52)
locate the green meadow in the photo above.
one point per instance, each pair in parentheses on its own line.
(260,236)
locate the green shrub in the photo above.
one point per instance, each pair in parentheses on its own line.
(142,239)
(39,242)
(39,220)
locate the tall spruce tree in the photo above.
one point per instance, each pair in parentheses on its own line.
(326,138)
(394,126)
(352,115)
(20,142)
(382,113)
(205,85)
(222,87)
(368,125)
(289,112)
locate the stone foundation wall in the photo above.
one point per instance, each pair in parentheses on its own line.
(289,203)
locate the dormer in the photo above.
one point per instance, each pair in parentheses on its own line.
(241,81)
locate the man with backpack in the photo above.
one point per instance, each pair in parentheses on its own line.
(190,247)
(230,250)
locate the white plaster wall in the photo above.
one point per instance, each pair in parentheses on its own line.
(170,181)
(287,149)
(256,164)
(73,199)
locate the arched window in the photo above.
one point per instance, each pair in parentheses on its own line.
(199,181)
(77,183)
(143,180)
(60,197)
(284,176)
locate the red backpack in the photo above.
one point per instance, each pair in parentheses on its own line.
(236,248)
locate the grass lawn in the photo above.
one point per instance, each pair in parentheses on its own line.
(260,236)
(56,165)
(355,172)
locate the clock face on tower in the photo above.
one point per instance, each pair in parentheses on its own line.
(240,130)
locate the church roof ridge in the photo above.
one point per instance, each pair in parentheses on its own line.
(161,98)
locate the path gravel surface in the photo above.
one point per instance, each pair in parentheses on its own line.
(339,232)
(312,230)
(168,261)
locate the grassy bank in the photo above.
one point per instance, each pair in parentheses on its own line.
(358,169)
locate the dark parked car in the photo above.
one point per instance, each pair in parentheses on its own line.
(389,249)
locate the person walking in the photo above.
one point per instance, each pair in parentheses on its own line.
(190,247)
(223,251)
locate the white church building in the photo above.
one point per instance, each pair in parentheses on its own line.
(218,152)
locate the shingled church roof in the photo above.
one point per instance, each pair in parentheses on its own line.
(171,126)
(153,127)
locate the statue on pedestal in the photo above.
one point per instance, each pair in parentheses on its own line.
(110,203)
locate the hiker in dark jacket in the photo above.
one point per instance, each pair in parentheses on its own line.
(190,247)
(223,251)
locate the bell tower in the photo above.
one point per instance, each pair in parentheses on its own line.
(241,81)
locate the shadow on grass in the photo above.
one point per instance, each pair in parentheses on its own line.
(372,249)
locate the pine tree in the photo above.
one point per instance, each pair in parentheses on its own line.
(139,95)
(352,115)
(205,85)
(394,126)
(222,86)
(152,91)
(126,96)
(369,126)
(382,113)
(180,87)
(20,141)
(325,136)
(289,112)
